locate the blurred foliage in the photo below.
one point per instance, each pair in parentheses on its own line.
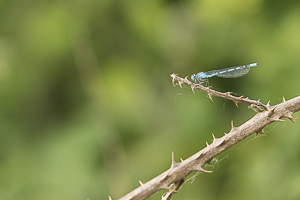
(88,108)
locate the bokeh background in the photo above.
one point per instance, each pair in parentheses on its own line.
(87,107)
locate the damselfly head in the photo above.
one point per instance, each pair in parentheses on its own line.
(193,77)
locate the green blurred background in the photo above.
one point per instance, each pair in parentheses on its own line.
(87,107)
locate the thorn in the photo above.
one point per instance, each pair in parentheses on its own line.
(283,99)
(274,119)
(186,77)
(268,104)
(181,159)
(173,157)
(232,127)
(207,144)
(180,82)
(260,131)
(173,80)
(213,136)
(209,95)
(290,117)
(109,198)
(247,98)
(141,183)
(209,86)
(258,100)
(278,120)
(199,168)
(241,97)
(228,93)
(207,171)
(174,163)
(271,112)
(263,133)
(193,87)
(273,109)
(236,103)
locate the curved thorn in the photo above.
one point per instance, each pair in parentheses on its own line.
(209,95)
(198,167)
(213,136)
(193,87)
(291,120)
(236,103)
(140,182)
(206,171)
(277,120)
(260,131)
(273,109)
(271,112)
(173,78)
(290,117)
(180,82)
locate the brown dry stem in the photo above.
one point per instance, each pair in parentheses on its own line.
(210,92)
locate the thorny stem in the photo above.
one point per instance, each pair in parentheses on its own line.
(174,177)
(212,92)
